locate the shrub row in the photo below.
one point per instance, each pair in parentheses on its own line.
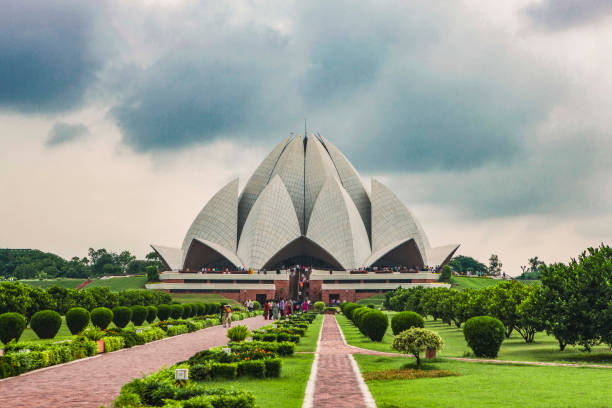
(371,322)
(160,388)
(22,357)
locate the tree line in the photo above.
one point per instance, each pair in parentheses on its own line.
(27,300)
(36,264)
(573,302)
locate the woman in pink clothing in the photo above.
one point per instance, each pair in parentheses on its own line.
(305,306)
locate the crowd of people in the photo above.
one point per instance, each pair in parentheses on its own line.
(273,309)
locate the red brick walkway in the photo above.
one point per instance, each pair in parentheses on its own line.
(98,380)
(337,381)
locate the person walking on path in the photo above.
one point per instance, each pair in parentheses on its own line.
(266,310)
(275,310)
(305,306)
(227,315)
(287,308)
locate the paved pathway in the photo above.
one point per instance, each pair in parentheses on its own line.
(335,378)
(98,380)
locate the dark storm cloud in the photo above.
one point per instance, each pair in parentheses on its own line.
(46,63)
(387,84)
(199,94)
(62,133)
(562,14)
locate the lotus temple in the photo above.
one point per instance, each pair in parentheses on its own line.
(305,225)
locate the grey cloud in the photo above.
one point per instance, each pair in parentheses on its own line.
(391,78)
(567,176)
(202,93)
(562,14)
(46,62)
(62,133)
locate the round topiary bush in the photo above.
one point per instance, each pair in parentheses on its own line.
(12,326)
(101,317)
(163,312)
(358,313)
(176,311)
(151,314)
(122,316)
(187,311)
(348,309)
(46,323)
(417,340)
(139,315)
(405,320)
(256,305)
(77,319)
(374,324)
(319,306)
(484,335)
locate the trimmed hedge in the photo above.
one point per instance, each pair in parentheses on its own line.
(273,367)
(253,368)
(77,319)
(374,324)
(151,314)
(176,311)
(405,320)
(178,329)
(347,309)
(224,370)
(187,311)
(163,312)
(46,323)
(12,326)
(113,343)
(122,316)
(484,335)
(139,315)
(319,306)
(101,317)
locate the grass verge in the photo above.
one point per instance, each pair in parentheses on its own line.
(483,385)
(308,343)
(544,349)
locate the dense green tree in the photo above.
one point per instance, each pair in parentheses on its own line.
(464,264)
(64,298)
(15,297)
(152,274)
(446,273)
(41,300)
(505,299)
(495,266)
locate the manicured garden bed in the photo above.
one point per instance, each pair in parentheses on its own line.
(254,372)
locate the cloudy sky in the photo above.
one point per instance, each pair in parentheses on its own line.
(491,120)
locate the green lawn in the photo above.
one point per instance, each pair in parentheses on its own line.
(464,282)
(376,300)
(545,348)
(354,337)
(202,297)
(309,341)
(119,284)
(47,283)
(485,385)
